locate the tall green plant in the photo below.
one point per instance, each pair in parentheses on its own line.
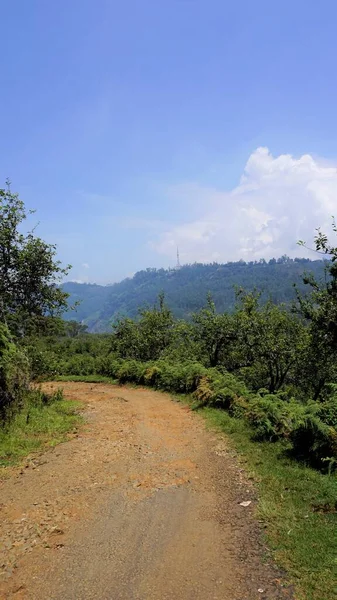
(14,374)
(271,342)
(214,332)
(29,270)
(319,308)
(146,338)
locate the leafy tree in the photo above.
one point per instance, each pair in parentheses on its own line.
(125,340)
(320,310)
(75,328)
(323,308)
(146,338)
(214,333)
(14,374)
(260,341)
(271,342)
(29,271)
(155,329)
(184,344)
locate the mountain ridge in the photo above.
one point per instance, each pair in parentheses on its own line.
(186,288)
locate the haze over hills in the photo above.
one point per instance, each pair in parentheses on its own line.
(186,288)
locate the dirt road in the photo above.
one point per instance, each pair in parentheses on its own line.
(142,504)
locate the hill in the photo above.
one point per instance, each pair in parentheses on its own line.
(186,288)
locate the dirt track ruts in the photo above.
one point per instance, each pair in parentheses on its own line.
(142,504)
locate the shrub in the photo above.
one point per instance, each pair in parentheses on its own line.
(313,440)
(204,393)
(267,417)
(131,371)
(80,365)
(43,363)
(152,376)
(220,389)
(14,375)
(272,417)
(327,411)
(180,378)
(107,365)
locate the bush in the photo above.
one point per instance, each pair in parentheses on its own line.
(131,371)
(43,363)
(14,375)
(204,392)
(313,440)
(267,415)
(327,411)
(180,378)
(310,428)
(220,390)
(79,365)
(107,365)
(152,376)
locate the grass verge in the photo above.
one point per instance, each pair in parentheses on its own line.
(86,378)
(297,505)
(44,421)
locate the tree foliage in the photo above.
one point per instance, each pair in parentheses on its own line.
(14,374)
(271,343)
(31,299)
(186,289)
(29,270)
(320,310)
(147,337)
(215,333)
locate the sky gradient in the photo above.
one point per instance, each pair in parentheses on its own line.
(133,127)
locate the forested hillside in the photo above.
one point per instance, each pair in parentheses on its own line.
(87,299)
(186,289)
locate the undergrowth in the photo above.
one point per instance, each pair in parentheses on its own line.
(86,378)
(311,427)
(297,505)
(43,421)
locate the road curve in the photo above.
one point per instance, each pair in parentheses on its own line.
(143,503)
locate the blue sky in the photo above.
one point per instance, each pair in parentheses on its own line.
(135,126)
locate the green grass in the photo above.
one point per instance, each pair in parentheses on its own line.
(86,378)
(36,426)
(297,506)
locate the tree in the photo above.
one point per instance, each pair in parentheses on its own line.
(14,374)
(320,310)
(271,342)
(147,338)
(214,333)
(125,338)
(155,330)
(75,328)
(29,271)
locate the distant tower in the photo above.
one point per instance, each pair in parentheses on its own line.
(178,265)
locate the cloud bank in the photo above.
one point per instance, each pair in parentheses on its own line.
(278,201)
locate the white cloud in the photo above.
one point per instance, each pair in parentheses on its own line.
(277,202)
(85,266)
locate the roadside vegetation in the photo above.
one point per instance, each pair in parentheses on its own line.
(265,374)
(30,305)
(297,508)
(43,422)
